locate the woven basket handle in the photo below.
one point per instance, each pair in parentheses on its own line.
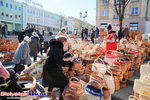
(74,78)
(131,97)
(98,84)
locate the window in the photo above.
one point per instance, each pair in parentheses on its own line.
(2,4)
(104,25)
(7,15)
(10,6)
(30,11)
(7,5)
(133,26)
(27,10)
(116,16)
(134,11)
(15,7)
(11,15)
(41,14)
(36,13)
(33,12)
(104,2)
(19,16)
(44,15)
(2,13)
(104,12)
(117,2)
(19,8)
(16,16)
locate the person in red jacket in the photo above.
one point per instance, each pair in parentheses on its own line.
(111,39)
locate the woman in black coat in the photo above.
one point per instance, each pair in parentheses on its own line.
(52,70)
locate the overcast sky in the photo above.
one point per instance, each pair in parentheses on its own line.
(70,8)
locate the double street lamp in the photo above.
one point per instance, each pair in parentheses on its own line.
(83,16)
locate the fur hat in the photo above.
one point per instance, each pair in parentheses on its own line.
(27,38)
(35,34)
(63,28)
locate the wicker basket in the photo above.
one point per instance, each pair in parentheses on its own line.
(28,78)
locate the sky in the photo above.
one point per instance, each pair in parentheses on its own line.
(71,8)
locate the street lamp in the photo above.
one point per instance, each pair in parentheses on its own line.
(37,18)
(83,16)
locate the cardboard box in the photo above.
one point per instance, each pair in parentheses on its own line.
(102,29)
(102,37)
(103,33)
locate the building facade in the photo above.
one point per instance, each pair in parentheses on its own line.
(135,14)
(11,15)
(78,24)
(16,15)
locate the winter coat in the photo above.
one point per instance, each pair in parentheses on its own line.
(120,34)
(97,31)
(3,29)
(126,32)
(52,70)
(21,36)
(23,51)
(34,46)
(28,33)
(92,34)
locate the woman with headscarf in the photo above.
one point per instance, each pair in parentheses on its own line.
(63,33)
(22,54)
(111,39)
(53,75)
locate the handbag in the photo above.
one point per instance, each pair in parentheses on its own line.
(20,67)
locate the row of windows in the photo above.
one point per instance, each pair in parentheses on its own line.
(117,1)
(133,12)
(11,7)
(40,14)
(133,26)
(40,21)
(10,15)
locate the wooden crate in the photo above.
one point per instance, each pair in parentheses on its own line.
(102,29)
(138,38)
(137,31)
(103,33)
(102,37)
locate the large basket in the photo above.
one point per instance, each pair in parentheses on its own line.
(26,77)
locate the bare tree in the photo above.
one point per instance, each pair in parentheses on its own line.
(120,6)
(121,9)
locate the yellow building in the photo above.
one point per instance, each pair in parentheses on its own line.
(78,24)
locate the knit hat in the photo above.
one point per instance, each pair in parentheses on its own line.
(26,38)
(35,34)
(63,28)
(109,27)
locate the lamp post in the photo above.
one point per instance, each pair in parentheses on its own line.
(83,16)
(37,18)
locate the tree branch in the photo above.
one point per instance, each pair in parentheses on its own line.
(116,7)
(126,3)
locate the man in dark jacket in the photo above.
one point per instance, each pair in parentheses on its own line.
(126,32)
(82,33)
(120,34)
(21,35)
(41,41)
(3,32)
(86,33)
(92,35)
(27,32)
(97,32)
(52,70)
